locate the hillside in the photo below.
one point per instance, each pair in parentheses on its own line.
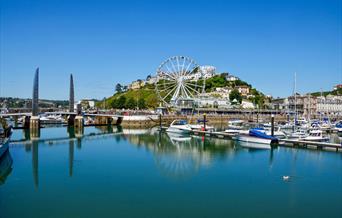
(146,96)
(325,93)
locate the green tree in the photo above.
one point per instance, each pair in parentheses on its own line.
(152,101)
(131,103)
(121,101)
(141,103)
(118,88)
(234,94)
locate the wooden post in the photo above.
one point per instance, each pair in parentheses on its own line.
(204,120)
(160,122)
(257,117)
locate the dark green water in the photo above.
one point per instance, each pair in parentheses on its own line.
(138,173)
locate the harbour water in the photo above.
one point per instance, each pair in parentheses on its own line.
(115,172)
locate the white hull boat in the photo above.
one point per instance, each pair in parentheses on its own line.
(316,136)
(179,127)
(256,138)
(201,127)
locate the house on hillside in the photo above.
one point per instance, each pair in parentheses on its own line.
(230,77)
(243,90)
(136,84)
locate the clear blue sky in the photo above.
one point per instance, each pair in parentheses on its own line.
(106,42)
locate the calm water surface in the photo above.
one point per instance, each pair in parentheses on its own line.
(110,172)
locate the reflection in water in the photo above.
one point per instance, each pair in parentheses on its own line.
(5,166)
(175,156)
(178,156)
(35,163)
(71,157)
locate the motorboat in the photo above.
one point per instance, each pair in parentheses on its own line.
(235,127)
(200,126)
(256,138)
(298,134)
(180,127)
(287,125)
(52,119)
(236,122)
(317,136)
(278,133)
(235,130)
(338,127)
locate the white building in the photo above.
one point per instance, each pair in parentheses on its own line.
(247,104)
(330,104)
(207,71)
(223,92)
(209,101)
(230,77)
(136,84)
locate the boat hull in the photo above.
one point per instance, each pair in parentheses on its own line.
(254,142)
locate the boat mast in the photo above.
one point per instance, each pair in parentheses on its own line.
(309,115)
(295,97)
(320,114)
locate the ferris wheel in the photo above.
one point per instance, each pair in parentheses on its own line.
(179,78)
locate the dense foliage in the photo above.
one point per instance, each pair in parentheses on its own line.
(146,96)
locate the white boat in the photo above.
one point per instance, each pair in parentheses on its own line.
(316,135)
(235,130)
(298,134)
(287,125)
(256,138)
(235,127)
(52,119)
(180,127)
(338,127)
(236,122)
(201,127)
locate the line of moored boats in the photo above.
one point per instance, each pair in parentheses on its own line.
(262,134)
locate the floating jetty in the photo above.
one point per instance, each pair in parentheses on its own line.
(283,142)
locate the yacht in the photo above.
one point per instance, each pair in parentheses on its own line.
(180,127)
(317,136)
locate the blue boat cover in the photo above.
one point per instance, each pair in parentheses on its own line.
(257,133)
(182,122)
